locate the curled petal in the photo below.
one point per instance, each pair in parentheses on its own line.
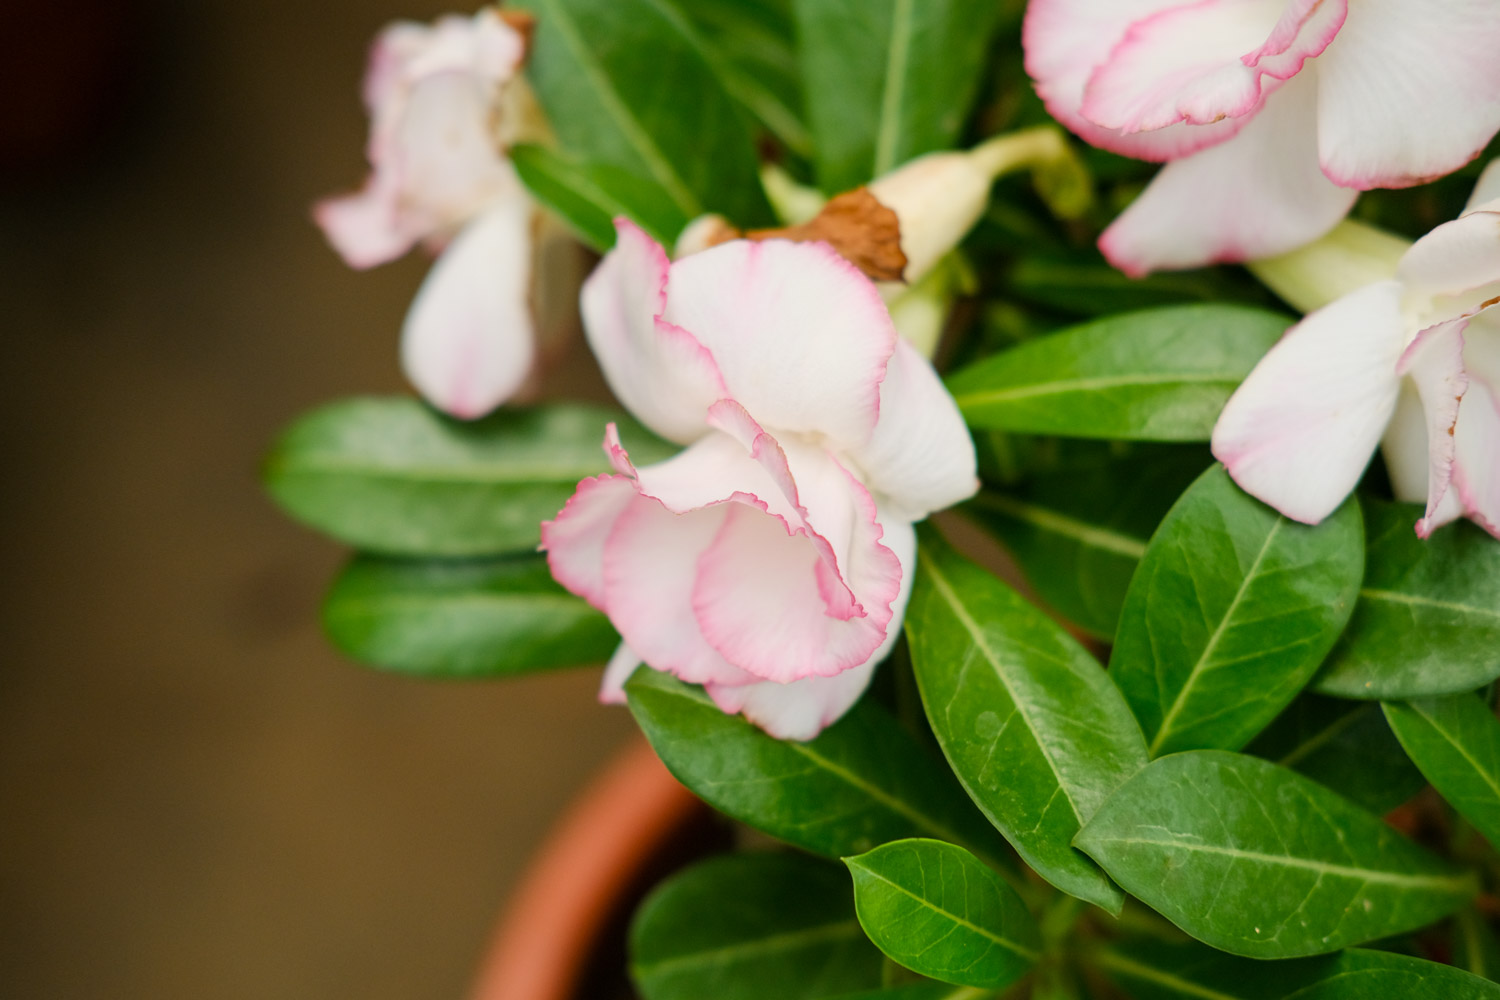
(1300,430)
(574,540)
(1486,190)
(1476,467)
(1067,40)
(1206,61)
(1409,91)
(1257,195)
(662,373)
(802,709)
(1456,267)
(367,228)
(1435,364)
(921,458)
(800,336)
(468,342)
(616,672)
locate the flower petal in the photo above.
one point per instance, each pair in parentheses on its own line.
(1476,467)
(650,563)
(1486,189)
(662,374)
(1456,266)
(367,228)
(1435,364)
(921,458)
(1409,91)
(574,539)
(1206,61)
(1300,430)
(800,336)
(1257,195)
(468,342)
(1067,40)
(802,709)
(616,672)
(769,599)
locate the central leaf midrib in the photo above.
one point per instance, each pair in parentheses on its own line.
(1006,943)
(1047,519)
(1454,882)
(972,627)
(1161,977)
(634,133)
(372,607)
(479,475)
(1462,750)
(1397,597)
(1198,666)
(967,400)
(786,941)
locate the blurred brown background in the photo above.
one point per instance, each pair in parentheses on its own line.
(198,798)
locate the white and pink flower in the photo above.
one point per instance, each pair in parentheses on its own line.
(444,105)
(1273,113)
(1414,359)
(772,559)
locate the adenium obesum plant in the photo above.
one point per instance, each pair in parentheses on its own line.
(1127,723)
(1271,114)
(772,560)
(1413,359)
(444,103)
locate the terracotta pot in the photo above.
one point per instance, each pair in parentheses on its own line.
(563,930)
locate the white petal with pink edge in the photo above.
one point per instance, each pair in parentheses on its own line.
(468,342)
(1300,430)
(1409,91)
(367,227)
(1206,61)
(1486,189)
(662,374)
(802,709)
(1257,195)
(1476,467)
(1454,270)
(800,336)
(1067,40)
(1435,364)
(921,458)
(617,671)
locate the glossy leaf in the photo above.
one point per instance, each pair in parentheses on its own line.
(589,197)
(1158,971)
(922,991)
(1230,613)
(1156,375)
(1030,722)
(1078,535)
(937,910)
(391,475)
(1259,861)
(1475,947)
(1456,743)
(462,618)
(1345,745)
(629,84)
(1428,617)
(749,927)
(757,60)
(888,80)
(862,782)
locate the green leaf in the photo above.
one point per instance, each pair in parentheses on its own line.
(1030,722)
(1428,617)
(1086,285)
(462,618)
(922,991)
(629,84)
(1456,743)
(1475,947)
(1156,375)
(862,782)
(589,197)
(1229,615)
(750,927)
(1259,861)
(390,475)
(757,60)
(888,80)
(1158,971)
(1079,535)
(1345,745)
(937,910)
